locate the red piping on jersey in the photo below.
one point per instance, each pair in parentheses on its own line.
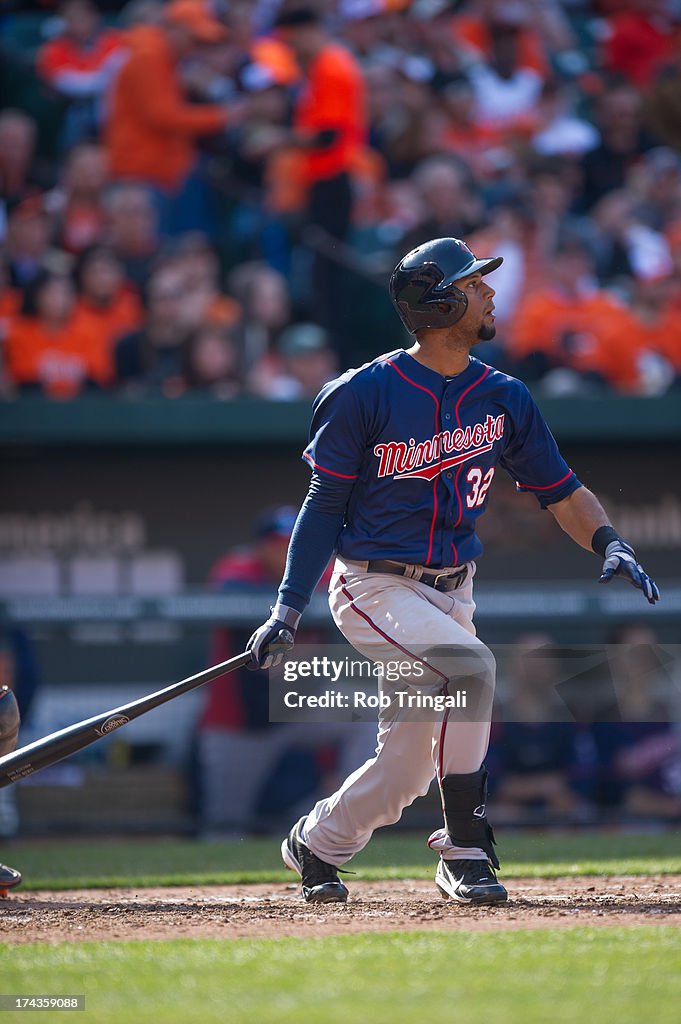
(437,427)
(432,523)
(547,487)
(414,384)
(456,478)
(385,636)
(315,465)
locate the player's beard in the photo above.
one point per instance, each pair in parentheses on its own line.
(486,331)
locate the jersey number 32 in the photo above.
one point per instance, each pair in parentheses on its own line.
(479,486)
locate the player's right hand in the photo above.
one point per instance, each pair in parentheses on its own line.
(274,638)
(620,560)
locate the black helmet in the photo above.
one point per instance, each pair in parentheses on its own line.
(422,284)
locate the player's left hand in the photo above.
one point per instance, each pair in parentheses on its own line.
(620,560)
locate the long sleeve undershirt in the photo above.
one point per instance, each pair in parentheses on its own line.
(314,538)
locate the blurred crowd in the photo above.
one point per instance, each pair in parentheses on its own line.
(587,734)
(209,197)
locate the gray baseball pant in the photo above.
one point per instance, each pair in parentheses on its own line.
(391,618)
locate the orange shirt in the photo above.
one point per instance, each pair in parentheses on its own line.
(668,337)
(10,303)
(473,30)
(104,325)
(663,335)
(333,97)
(60,361)
(587,333)
(477,144)
(151,130)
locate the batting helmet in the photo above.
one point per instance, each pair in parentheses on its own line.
(422,285)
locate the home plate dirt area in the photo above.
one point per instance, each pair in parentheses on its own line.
(273,911)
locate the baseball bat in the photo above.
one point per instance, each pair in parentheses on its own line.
(58,745)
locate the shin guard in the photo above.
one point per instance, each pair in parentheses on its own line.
(464,800)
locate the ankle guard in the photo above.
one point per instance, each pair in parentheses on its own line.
(464,799)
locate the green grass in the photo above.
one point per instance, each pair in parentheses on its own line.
(525,977)
(99,864)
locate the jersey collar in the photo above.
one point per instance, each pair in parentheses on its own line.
(429,378)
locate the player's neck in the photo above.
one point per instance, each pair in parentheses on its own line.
(445,359)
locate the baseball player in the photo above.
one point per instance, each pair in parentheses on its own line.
(403,451)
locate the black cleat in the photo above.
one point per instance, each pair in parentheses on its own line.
(469,881)
(320,881)
(9,877)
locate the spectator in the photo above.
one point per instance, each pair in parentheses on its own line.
(79,202)
(624,246)
(623,141)
(80,64)
(132,229)
(475,29)
(641,38)
(235,727)
(212,362)
(307,362)
(655,183)
(558,130)
(450,206)
(408,129)
(639,753)
(205,302)
(47,350)
(534,747)
(330,126)
(505,91)
(152,359)
(362,29)
(653,332)
(548,196)
(663,104)
(483,147)
(29,230)
(567,325)
(262,294)
(107,306)
(152,131)
(21,174)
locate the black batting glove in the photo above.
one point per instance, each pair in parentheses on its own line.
(274,638)
(620,560)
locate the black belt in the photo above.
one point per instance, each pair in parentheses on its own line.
(442,581)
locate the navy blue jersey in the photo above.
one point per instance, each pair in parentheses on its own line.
(421,451)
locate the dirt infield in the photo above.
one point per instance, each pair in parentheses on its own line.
(266,911)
